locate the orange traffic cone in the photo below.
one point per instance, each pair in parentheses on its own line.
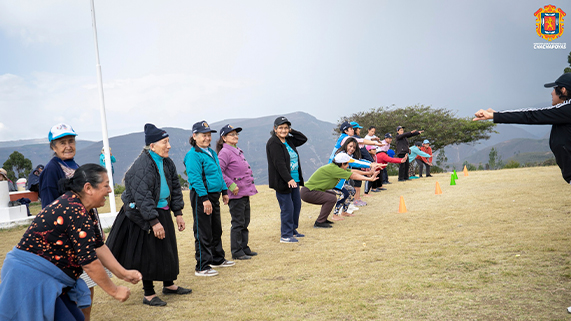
(438,190)
(465,171)
(402,207)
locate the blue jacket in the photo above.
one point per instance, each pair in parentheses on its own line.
(204,173)
(49,179)
(415,151)
(31,284)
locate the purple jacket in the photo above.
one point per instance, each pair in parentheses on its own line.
(235,169)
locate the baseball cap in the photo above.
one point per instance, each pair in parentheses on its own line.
(346,125)
(342,158)
(369,147)
(355,124)
(387,135)
(563,81)
(399,128)
(280,121)
(60,130)
(426,141)
(228,128)
(202,127)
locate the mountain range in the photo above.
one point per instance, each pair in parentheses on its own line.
(511,141)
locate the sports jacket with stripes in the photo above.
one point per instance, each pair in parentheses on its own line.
(560,138)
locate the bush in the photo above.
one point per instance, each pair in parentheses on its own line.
(119,189)
(512,164)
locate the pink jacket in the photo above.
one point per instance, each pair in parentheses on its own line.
(236,170)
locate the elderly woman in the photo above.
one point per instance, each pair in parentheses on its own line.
(239,179)
(143,234)
(40,276)
(319,188)
(285,176)
(62,165)
(206,184)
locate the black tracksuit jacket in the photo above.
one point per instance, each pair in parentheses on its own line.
(560,138)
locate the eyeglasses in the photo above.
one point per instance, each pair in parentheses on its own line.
(233,134)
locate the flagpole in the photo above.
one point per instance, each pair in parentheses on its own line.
(108,164)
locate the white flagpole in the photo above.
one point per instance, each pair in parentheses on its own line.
(103,117)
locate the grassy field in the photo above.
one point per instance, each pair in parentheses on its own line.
(493,247)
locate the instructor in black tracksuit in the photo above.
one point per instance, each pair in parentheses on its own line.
(402,150)
(558,115)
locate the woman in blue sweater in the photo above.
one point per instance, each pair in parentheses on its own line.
(206,185)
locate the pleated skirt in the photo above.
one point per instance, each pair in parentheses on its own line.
(140,250)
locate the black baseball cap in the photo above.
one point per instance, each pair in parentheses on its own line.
(226,129)
(563,81)
(388,135)
(399,128)
(280,121)
(202,127)
(346,125)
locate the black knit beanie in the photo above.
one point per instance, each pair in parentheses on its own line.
(153,134)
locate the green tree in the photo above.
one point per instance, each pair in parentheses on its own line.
(17,166)
(495,160)
(441,126)
(470,167)
(512,164)
(568,69)
(441,160)
(183,182)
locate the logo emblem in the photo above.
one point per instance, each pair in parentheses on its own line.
(549,22)
(204,124)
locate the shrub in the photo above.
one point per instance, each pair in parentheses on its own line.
(512,164)
(119,189)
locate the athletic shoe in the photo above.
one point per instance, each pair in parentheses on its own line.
(226,263)
(329,222)
(207,272)
(387,182)
(428,175)
(352,208)
(322,225)
(359,203)
(402,180)
(297,234)
(376,190)
(243,257)
(251,253)
(288,240)
(569,310)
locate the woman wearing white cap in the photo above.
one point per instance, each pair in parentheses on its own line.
(62,165)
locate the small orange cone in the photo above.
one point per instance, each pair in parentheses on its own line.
(438,190)
(465,171)
(402,207)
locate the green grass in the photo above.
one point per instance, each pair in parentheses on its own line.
(493,247)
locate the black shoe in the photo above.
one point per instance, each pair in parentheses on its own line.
(179,290)
(402,180)
(428,175)
(329,222)
(251,253)
(387,182)
(419,176)
(382,189)
(155,302)
(243,257)
(322,225)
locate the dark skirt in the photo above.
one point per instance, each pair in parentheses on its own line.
(134,248)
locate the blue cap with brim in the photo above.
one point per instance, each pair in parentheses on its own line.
(426,141)
(355,124)
(61,130)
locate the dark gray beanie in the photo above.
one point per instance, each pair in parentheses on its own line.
(154,134)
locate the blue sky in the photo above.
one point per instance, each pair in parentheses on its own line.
(174,63)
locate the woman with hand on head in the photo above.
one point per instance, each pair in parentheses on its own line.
(40,276)
(206,184)
(239,179)
(285,176)
(143,234)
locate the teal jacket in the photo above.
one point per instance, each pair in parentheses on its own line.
(204,173)
(415,151)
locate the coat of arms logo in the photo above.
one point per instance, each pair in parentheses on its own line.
(549,22)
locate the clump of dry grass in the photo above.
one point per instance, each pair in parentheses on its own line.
(493,247)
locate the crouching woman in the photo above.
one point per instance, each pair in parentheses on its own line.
(318,190)
(40,276)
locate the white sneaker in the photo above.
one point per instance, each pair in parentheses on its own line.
(226,263)
(352,208)
(209,272)
(569,309)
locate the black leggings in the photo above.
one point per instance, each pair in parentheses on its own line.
(149,288)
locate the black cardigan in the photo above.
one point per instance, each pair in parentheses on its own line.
(279,171)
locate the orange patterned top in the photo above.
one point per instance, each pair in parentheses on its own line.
(65,234)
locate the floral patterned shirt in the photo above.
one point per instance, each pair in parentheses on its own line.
(65,234)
